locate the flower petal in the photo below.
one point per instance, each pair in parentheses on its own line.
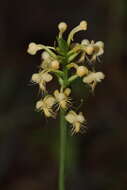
(70,117)
(47,77)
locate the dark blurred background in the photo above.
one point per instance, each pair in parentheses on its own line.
(29,144)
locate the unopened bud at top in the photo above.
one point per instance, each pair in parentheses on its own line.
(83,25)
(62,26)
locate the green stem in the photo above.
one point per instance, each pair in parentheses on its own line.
(63,133)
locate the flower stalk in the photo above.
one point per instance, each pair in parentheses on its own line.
(63,136)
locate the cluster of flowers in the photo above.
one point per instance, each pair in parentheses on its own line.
(67,61)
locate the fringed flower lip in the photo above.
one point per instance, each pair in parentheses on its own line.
(41,79)
(92,48)
(62,98)
(45,105)
(77,121)
(93,78)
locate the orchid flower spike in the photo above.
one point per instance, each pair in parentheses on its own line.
(65,63)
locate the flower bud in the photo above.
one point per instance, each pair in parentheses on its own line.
(83,25)
(62,26)
(45,55)
(33,48)
(81,71)
(89,49)
(55,65)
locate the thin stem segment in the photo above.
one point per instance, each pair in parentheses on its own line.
(63,134)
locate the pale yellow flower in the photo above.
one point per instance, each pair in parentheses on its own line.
(98,76)
(46,105)
(80,70)
(89,46)
(41,78)
(93,78)
(62,26)
(98,50)
(92,48)
(33,48)
(62,98)
(78,121)
(46,61)
(49,63)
